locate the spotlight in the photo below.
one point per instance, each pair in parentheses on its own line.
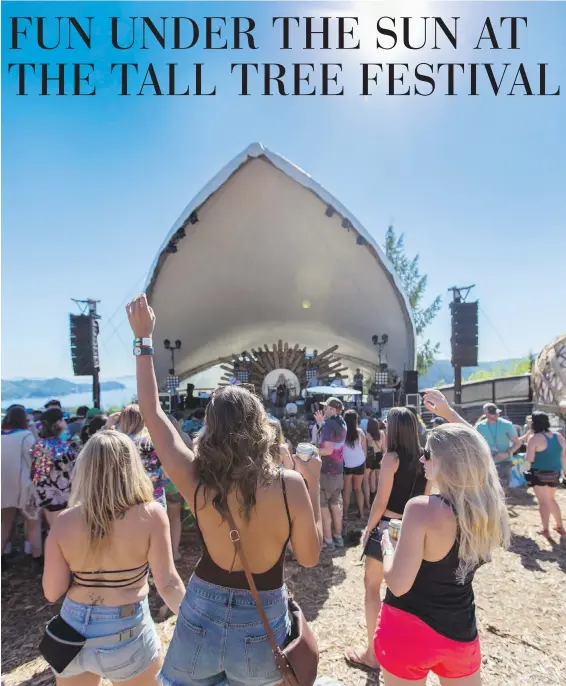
(360,240)
(375,339)
(329,211)
(171,248)
(193,219)
(180,233)
(385,338)
(166,343)
(177,344)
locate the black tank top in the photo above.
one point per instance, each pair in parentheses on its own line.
(208,570)
(408,482)
(439,600)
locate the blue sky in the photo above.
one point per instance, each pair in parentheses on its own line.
(90,186)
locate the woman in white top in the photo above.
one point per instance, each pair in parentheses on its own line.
(18,492)
(355,452)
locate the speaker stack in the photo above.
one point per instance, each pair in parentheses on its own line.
(464,334)
(84,345)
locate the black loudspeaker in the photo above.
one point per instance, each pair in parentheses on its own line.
(84,344)
(464,334)
(411,382)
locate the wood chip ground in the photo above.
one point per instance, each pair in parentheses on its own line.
(521,607)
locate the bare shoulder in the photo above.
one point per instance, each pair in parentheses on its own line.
(390,461)
(294,482)
(67,521)
(154,511)
(561,439)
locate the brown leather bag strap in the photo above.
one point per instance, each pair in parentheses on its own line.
(235,538)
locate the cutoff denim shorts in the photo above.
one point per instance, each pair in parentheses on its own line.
(219,638)
(119,661)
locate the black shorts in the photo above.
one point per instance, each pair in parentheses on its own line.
(355,471)
(373,460)
(543,477)
(373,546)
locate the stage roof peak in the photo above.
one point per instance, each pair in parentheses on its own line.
(265,188)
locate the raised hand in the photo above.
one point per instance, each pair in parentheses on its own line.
(141,317)
(319,417)
(436,403)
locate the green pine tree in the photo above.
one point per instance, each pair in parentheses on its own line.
(414,284)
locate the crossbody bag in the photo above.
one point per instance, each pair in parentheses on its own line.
(298,660)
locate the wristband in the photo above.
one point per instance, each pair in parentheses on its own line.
(142,350)
(388,551)
(143,342)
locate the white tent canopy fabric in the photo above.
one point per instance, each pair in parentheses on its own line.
(264,253)
(332,390)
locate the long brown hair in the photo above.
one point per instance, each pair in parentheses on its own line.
(351,419)
(403,436)
(16,418)
(373,429)
(237,448)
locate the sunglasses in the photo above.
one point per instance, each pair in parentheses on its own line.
(427,454)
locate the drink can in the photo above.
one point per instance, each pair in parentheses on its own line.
(394,529)
(305,451)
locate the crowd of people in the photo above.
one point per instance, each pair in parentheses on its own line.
(110,490)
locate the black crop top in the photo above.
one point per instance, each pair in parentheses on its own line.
(408,482)
(208,570)
(92,582)
(439,599)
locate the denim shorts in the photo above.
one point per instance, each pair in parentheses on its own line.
(219,638)
(119,661)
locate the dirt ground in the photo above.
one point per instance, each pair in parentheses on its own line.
(521,606)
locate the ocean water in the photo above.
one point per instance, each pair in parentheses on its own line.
(108,399)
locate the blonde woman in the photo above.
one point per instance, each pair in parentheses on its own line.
(427,622)
(98,553)
(131,423)
(286,461)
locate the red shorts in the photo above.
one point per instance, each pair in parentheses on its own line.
(409,649)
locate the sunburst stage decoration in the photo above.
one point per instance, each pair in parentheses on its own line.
(549,377)
(257,366)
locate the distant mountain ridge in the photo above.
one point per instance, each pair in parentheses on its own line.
(442,370)
(43,388)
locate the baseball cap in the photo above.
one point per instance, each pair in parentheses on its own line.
(52,403)
(93,412)
(291,408)
(491,408)
(335,403)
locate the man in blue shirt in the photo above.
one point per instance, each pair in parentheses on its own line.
(501,436)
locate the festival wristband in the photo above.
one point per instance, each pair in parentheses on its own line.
(142,350)
(143,342)
(388,551)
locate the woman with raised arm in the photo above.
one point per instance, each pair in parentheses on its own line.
(98,554)
(427,621)
(401,478)
(219,636)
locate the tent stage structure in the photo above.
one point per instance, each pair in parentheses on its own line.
(264,253)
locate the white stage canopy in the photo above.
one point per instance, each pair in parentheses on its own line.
(265,253)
